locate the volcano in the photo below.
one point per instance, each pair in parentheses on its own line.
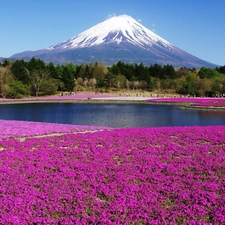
(119,38)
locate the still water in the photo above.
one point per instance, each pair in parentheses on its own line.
(111,115)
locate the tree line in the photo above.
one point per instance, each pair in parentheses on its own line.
(25,78)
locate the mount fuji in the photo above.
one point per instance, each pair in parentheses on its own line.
(119,38)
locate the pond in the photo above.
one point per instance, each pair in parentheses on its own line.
(111,115)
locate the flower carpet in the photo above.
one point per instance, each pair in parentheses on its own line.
(207,102)
(65,97)
(88,175)
(13,128)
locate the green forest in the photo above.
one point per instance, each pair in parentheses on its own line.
(36,78)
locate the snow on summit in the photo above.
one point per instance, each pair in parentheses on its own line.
(116,29)
(119,38)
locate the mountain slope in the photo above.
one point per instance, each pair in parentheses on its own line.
(114,30)
(120,38)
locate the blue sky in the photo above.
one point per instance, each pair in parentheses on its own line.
(195,26)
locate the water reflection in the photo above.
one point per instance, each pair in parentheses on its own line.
(112,115)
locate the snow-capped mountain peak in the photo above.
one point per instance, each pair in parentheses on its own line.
(119,38)
(116,29)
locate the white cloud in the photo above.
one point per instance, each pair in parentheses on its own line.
(110,15)
(140,20)
(153,28)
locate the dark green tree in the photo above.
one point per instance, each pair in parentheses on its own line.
(156,71)
(19,70)
(141,72)
(114,69)
(208,73)
(221,69)
(68,79)
(52,71)
(168,72)
(59,71)
(36,64)
(72,68)
(108,79)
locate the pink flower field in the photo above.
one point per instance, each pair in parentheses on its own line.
(78,96)
(111,176)
(11,128)
(207,102)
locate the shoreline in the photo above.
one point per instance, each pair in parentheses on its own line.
(112,100)
(75,101)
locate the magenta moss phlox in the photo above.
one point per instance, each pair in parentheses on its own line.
(121,176)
